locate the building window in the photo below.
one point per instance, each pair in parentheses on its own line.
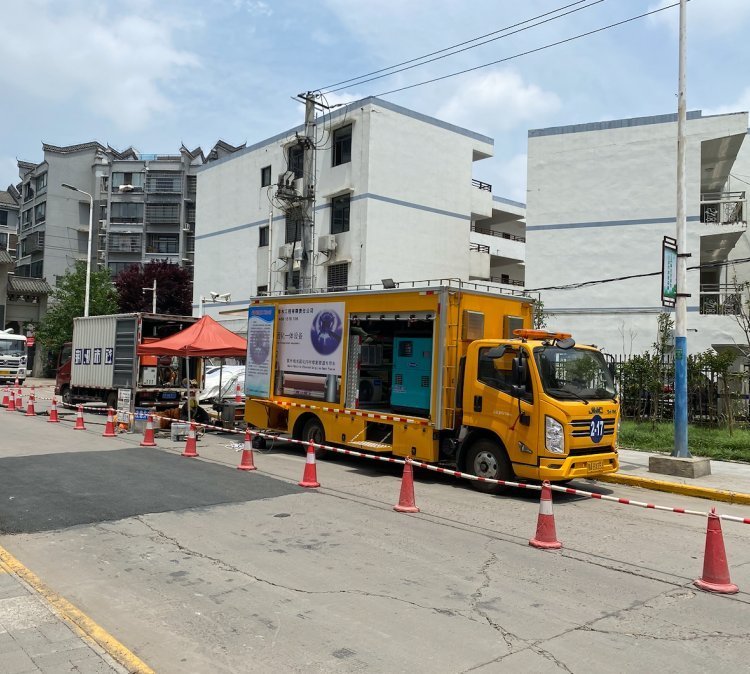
(262,290)
(163,243)
(292,280)
(265,176)
(41,183)
(116,267)
(134,179)
(342,145)
(36,269)
(28,192)
(340,213)
(123,211)
(26,219)
(3,218)
(192,186)
(293,229)
(296,159)
(40,213)
(338,276)
(3,241)
(262,236)
(23,270)
(119,242)
(163,213)
(165,181)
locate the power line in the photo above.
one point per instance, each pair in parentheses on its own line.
(330,88)
(584,284)
(530,51)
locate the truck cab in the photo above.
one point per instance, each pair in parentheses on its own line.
(13,356)
(537,407)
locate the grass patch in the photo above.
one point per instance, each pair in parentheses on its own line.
(715,443)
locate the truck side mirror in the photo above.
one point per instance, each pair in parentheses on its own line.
(519,371)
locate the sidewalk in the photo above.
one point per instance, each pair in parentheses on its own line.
(41,632)
(729,482)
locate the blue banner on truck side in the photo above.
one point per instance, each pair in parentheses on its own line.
(260,326)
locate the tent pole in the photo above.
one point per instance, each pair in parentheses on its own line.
(187,365)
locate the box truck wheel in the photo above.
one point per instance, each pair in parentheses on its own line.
(65,395)
(487,458)
(313,430)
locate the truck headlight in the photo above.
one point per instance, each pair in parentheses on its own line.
(554,438)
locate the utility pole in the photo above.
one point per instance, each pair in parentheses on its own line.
(152,290)
(680,340)
(307,268)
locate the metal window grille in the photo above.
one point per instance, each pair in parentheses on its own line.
(262,236)
(293,229)
(163,213)
(338,276)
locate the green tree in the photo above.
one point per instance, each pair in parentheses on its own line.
(67,303)
(539,315)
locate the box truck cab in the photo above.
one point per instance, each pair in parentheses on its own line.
(13,356)
(438,373)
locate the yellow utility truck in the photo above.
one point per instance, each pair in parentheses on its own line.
(444,373)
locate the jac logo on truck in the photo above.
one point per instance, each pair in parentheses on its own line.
(595,410)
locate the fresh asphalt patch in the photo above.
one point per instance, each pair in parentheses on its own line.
(55,491)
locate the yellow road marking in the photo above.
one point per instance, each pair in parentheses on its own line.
(80,622)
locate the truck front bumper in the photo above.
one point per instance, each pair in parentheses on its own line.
(571,467)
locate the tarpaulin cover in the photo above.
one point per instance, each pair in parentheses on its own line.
(204,338)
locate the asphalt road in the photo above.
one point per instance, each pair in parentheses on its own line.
(198,567)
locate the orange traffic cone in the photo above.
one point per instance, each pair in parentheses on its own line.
(148,433)
(12,401)
(30,412)
(19,400)
(715,576)
(246,462)
(546,536)
(53,418)
(190,446)
(310,476)
(109,427)
(238,394)
(6,398)
(79,420)
(406,498)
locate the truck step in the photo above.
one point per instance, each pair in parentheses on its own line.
(371,445)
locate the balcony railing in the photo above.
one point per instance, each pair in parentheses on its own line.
(720,299)
(507,280)
(480,185)
(479,247)
(492,232)
(724,208)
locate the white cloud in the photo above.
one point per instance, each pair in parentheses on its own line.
(509,178)
(742,104)
(497,99)
(256,7)
(120,66)
(704,18)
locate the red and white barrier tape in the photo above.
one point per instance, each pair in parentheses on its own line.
(446,471)
(357,413)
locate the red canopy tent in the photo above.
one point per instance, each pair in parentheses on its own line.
(202,339)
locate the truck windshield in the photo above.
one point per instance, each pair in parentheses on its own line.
(574,373)
(12,347)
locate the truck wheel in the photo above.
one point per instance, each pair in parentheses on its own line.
(65,395)
(313,430)
(487,459)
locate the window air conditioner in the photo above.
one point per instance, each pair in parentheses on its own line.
(285,251)
(327,243)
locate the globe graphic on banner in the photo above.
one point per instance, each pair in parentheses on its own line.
(326,332)
(260,346)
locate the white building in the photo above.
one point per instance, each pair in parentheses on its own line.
(395,197)
(602,196)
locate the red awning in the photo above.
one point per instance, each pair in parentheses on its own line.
(204,338)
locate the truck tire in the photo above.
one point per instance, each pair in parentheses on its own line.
(65,395)
(313,430)
(487,458)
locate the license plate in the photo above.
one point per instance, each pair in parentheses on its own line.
(592,466)
(4,373)
(169,396)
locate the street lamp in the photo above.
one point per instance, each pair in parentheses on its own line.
(215,297)
(88,258)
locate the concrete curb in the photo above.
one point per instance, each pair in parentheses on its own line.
(678,488)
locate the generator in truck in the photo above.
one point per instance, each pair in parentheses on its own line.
(447,374)
(102,358)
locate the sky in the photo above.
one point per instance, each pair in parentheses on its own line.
(158,73)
